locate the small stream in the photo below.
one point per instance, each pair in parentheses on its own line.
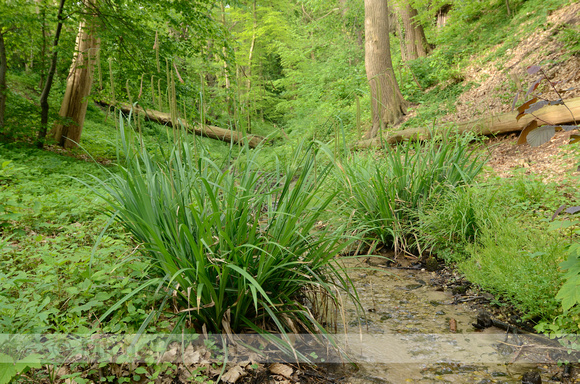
(412,332)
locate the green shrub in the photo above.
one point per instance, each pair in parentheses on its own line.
(450,222)
(566,325)
(382,191)
(238,248)
(518,265)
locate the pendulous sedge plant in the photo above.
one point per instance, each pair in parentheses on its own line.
(382,190)
(236,248)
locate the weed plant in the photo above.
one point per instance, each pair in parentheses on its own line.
(381,191)
(496,233)
(518,266)
(234,247)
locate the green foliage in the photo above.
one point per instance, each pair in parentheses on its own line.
(383,190)
(10,368)
(449,223)
(53,276)
(569,36)
(435,103)
(526,194)
(238,247)
(323,68)
(519,266)
(22,112)
(566,325)
(514,256)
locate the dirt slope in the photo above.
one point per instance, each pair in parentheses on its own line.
(500,80)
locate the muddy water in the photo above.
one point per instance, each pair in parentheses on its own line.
(411,331)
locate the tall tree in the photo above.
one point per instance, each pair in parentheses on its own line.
(80,79)
(49,79)
(388,105)
(3,70)
(413,41)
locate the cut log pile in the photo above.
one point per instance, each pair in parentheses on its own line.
(492,125)
(210,131)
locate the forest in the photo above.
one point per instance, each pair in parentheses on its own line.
(289,191)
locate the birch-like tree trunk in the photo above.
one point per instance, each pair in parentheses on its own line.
(3,87)
(388,105)
(80,79)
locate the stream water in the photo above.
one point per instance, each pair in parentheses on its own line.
(412,331)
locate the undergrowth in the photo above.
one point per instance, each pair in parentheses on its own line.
(54,278)
(382,190)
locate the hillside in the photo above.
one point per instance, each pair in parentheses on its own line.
(497,75)
(500,73)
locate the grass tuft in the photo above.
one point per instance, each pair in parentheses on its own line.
(237,248)
(382,191)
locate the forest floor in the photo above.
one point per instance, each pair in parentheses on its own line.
(499,77)
(493,80)
(552,162)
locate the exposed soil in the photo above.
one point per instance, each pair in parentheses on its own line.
(553,161)
(498,81)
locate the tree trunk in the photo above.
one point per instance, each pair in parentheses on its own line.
(80,79)
(210,131)
(413,41)
(388,105)
(226,70)
(3,87)
(250,57)
(490,125)
(44,107)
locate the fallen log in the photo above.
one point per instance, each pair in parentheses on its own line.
(492,125)
(210,131)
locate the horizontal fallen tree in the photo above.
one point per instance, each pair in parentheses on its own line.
(492,125)
(210,131)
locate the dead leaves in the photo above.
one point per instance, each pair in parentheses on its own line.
(195,360)
(234,374)
(282,370)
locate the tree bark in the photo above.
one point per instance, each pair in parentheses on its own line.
(491,125)
(3,86)
(388,105)
(413,41)
(206,130)
(44,107)
(250,56)
(74,105)
(224,52)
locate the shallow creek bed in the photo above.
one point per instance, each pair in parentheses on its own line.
(415,331)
